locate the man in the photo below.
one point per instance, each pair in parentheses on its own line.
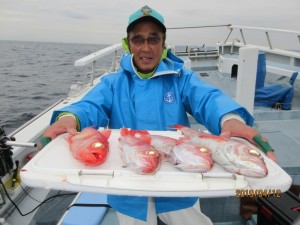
(152,91)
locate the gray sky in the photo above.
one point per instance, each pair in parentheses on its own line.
(105,21)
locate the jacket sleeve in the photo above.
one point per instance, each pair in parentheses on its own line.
(208,104)
(94,108)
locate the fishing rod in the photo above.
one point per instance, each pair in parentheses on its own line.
(6,141)
(193,27)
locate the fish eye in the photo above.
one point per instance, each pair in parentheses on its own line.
(98,145)
(254,152)
(202,149)
(151,152)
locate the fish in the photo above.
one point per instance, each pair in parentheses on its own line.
(90,146)
(191,158)
(233,156)
(138,155)
(161,143)
(185,156)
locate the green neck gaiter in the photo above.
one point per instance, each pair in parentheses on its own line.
(142,75)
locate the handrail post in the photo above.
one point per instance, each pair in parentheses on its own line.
(242,34)
(115,61)
(222,48)
(92,74)
(231,29)
(231,49)
(269,40)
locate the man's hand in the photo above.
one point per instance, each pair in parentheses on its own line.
(272,156)
(235,128)
(66,124)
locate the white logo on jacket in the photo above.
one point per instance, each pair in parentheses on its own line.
(169,98)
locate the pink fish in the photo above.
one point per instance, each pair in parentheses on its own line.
(138,155)
(191,158)
(90,146)
(233,156)
(163,144)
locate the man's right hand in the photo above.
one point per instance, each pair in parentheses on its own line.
(66,124)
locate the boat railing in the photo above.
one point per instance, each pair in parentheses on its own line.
(198,52)
(279,60)
(292,56)
(265,30)
(92,58)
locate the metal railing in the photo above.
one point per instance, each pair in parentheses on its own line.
(92,58)
(265,30)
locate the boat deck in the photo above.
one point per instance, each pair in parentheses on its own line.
(281,127)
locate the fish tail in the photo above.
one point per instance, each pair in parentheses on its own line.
(124,132)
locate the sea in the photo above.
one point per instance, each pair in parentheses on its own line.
(35,75)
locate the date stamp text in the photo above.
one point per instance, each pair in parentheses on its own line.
(241,193)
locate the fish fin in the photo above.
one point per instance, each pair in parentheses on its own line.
(124,132)
(134,133)
(146,138)
(183,139)
(119,139)
(176,127)
(106,133)
(68,139)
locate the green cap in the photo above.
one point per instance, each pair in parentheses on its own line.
(146,13)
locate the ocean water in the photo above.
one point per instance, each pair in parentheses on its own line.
(35,75)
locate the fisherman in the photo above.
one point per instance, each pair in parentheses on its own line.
(152,91)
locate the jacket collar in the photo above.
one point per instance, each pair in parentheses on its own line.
(170,65)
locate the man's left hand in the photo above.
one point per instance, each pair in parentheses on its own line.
(235,128)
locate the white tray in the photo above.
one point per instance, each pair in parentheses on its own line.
(55,168)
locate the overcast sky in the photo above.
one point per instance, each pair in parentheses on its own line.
(105,21)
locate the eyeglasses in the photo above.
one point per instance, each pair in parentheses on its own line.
(139,41)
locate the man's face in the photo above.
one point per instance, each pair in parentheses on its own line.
(146,43)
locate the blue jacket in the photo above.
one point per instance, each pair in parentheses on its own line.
(123,99)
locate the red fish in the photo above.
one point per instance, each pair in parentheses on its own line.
(138,155)
(141,134)
(90,146)
(163,144)
(233,156)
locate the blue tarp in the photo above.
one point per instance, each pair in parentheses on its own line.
(261,70)
(279,94)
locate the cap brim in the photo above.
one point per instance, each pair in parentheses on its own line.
(146,18)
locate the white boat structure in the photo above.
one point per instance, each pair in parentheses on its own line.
(231,66)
